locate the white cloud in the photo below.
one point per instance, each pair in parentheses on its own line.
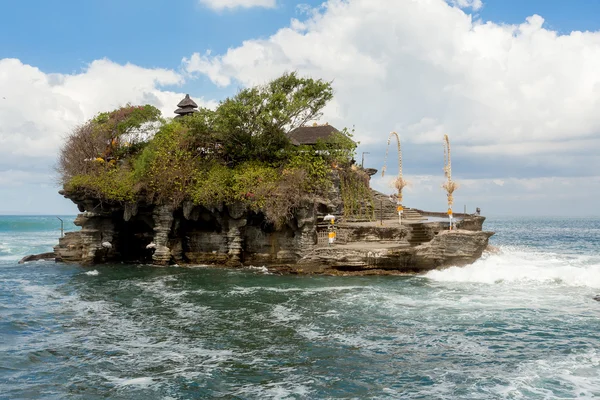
(474,4)
(38,109)
(424,68)
(508,196)
(19,177)
(229,4)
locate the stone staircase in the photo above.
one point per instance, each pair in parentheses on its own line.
(410,214)
(384,208)
(419,234)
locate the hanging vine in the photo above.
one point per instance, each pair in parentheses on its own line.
(356,194)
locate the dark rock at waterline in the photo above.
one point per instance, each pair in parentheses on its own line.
(597,297)
(234,235)
(37,257)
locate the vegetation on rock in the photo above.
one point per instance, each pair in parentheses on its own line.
(237,153)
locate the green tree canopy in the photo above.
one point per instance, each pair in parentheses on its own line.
(253,125)
(237,153)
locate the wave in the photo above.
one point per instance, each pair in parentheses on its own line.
(5,249)
(512,265)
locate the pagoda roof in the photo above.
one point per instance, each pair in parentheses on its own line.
(308,135)
(184,111)
(187,102)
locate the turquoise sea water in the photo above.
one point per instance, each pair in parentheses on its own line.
(520,324)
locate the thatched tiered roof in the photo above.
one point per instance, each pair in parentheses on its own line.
(186,106)
(308,135)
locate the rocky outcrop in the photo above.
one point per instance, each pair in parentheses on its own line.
(163,235)
(471,223)
(449,248)
(38,257)
(234,235)
(456,248)
(379,234)
(85,246)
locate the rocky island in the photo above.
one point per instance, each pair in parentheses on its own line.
(250,183)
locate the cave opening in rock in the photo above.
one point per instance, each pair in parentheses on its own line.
(200,234)
(260,221)
(133,238)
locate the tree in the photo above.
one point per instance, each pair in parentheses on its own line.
(253,124)
(108,136)
(126,128)
(239,152)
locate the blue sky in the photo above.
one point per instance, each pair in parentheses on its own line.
(514,92)
(65,36)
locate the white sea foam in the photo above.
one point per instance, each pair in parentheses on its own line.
(7,252)
(278,390)
(283,314)
(144,381)
(525,267)
(93,273)
(262,269)
(247,291)
(139,382)
(577,375)
(5,249)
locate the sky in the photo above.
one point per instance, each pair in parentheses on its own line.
(514,84)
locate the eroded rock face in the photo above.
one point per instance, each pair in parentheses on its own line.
(448,248)
(163,221)
(451,248)
(471,223)
(162,235)
(379,234)
(234,236)
(85,246)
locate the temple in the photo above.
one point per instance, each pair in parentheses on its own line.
(186,106)
(348,229)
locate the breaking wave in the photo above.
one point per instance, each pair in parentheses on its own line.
(512,265)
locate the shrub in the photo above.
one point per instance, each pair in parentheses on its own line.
(166,169)
(108,136)
(213,186)
(238,153)
(110,185)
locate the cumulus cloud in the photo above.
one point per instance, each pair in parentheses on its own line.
(39,108)
(474,4)
(229,4)
(424,68)
(508,196)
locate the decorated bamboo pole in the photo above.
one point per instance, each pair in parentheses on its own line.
(399,182)
(450,186)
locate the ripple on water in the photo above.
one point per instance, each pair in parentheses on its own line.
(517,325)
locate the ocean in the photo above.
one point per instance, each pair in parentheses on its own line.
(519,324)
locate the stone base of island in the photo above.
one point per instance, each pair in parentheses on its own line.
(234,236)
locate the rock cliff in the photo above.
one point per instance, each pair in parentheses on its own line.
(163,235)
(235,236)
